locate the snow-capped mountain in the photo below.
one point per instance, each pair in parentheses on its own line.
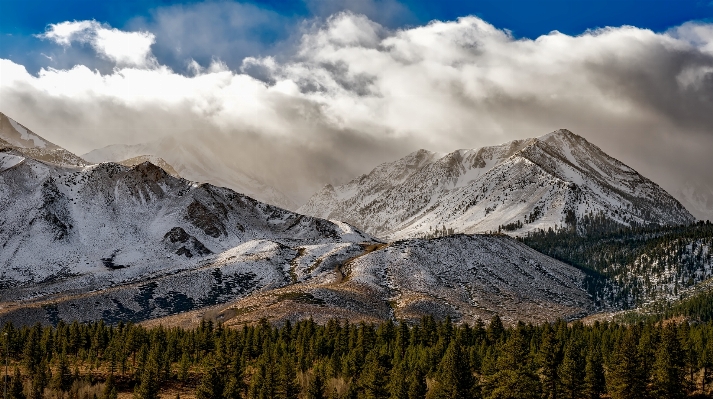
(466,277)
(21,139)
(196,163)
(518,186)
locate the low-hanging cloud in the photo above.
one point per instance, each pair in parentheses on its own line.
(351,93)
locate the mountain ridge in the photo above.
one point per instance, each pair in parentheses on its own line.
(545,178)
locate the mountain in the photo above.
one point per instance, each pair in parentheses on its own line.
(633,266)
(69,232)
(196,163)
(24,141)
(134,242)
(112,242)
(520,186)
(465,277)
(152,159)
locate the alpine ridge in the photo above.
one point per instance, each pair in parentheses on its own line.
(134,242)
(517,187)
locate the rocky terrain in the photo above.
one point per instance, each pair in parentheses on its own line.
(516,187)
(134,243)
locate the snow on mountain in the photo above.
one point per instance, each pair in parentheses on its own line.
(196,163)
(23,140)
(87,228)
(466,277)
(522,186)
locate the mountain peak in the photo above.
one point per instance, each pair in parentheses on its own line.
(524,185)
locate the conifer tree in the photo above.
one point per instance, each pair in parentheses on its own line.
(16,390)
(211,386)
(316,386)
(625,379)
(372,380)
(455,379)
(572,372)
(148,385)
(593,375)
(62,377)
(287,379)
(416,385)
(110,391)
(398,382)
(668,369)
(549,360)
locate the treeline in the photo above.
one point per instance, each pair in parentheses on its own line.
(628,267)
(339,360)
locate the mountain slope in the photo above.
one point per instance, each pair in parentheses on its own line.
(461,276)
(521,186)
(196,163)
(82,229)
(16,136)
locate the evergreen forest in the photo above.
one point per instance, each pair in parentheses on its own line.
(429,359)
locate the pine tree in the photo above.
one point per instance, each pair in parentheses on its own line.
(416,385)
(572,372)
(110,391)
(372,380)
(211,386)
(148,385)
(668,370)
(625,379)
(548,360)
(62,378)
(288,387)
(514,378)
(593,375)
(16,390)
(455,379)
(398,382)
(315,388)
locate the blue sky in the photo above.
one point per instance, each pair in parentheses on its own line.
(20,20)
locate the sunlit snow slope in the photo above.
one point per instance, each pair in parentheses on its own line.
(536,182)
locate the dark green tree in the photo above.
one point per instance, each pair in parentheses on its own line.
(16,390)
(668,373)
(594,383)
(572,372)
(455,379)
(625,379)
(212,385)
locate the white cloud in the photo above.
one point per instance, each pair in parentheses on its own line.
(131,49)
(354,93)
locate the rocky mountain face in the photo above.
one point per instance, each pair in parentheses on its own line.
(465,277)
(117,243)
(196,163)
(132,242)
(516,187)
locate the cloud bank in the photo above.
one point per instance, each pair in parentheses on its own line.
(348,93)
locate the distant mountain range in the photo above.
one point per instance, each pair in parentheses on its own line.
(517,187)
(196,163)
(135,241)
(107,241)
